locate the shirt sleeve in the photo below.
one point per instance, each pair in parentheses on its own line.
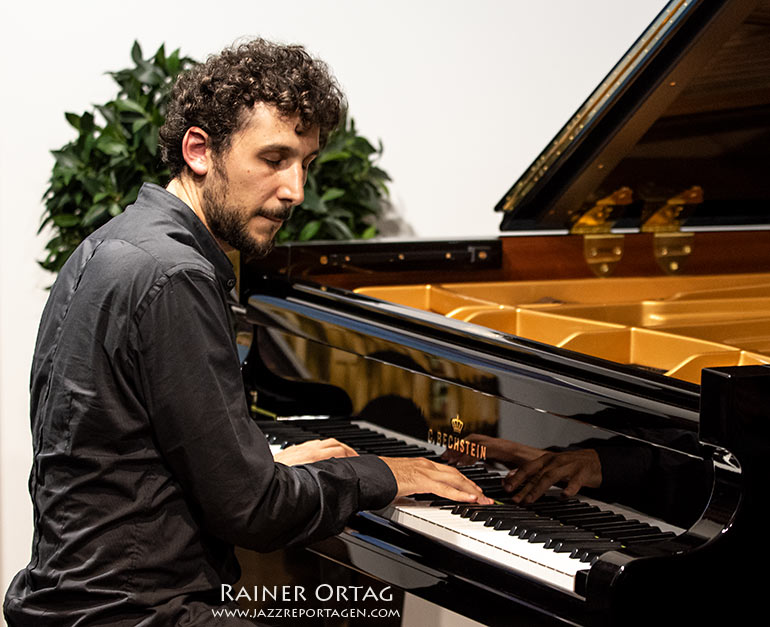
(192,387)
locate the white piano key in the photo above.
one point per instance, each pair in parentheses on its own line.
(556,569)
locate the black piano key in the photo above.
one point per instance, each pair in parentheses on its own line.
(393,447)
(589,555)
(466,509)
(406,453)
(490,522)
(486,513)
(630,536)
(591,518)
(524,528)
(564,532)
(517,516)
(664,535)
(505,524)
(633,532)
(618,524)
(495,493)
(567,510)
(568,546)
(476,469)
(384,446)
(554,503)
(583,539)
(344,430)
(488,484)
(443,503)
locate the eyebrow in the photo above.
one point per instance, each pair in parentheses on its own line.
(286,150)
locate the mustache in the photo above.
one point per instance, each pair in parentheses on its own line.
(275,214)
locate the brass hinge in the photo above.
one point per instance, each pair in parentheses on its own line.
(671,247)
(603,250)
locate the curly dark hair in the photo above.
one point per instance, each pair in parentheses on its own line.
(214,95)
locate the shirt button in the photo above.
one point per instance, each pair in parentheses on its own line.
(230,284)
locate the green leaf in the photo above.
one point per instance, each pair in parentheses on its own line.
(332,194)
(151,141)
(94,214)
(325,157)
(149,74)
(339,228)
(310,230)
(312,200)
(87,122)
(138,125)
(126,104)
(67,159)
(370,232)
(111,146)
(66,219)
(136,53)
(172,63)
(74,120)
(160,56)
(109,115)
(362,146)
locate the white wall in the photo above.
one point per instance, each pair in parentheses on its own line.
(463,94)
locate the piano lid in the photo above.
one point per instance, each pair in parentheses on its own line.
(676,136)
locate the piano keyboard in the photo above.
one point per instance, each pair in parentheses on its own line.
(551,540)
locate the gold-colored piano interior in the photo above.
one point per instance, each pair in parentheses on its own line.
(672,325)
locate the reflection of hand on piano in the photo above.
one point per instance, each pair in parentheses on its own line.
(419,476)
(577,468)
(535,470)
(313,451)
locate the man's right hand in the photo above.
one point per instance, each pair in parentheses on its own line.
(422,476)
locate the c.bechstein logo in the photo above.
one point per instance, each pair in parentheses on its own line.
(455,442)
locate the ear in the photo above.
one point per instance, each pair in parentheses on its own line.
(195,150)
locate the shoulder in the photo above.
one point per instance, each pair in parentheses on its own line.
(122,268)
(142,240)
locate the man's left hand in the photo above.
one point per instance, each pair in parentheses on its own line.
(313,451)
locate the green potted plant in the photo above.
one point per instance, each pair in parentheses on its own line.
(98,174)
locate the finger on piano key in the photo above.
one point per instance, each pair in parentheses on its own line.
(417,475)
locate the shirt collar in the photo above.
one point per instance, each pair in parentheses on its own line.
(156,196)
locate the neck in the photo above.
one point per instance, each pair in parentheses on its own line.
(191,194)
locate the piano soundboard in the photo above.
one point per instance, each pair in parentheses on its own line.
(553,541)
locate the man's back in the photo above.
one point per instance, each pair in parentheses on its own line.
(113,528)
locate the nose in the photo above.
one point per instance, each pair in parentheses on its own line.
(292,188)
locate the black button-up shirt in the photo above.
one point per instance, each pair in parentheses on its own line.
(147,468)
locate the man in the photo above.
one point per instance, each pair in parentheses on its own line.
(147,468)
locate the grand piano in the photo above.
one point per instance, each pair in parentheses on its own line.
(625,309)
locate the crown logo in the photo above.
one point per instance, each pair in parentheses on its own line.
(457,424)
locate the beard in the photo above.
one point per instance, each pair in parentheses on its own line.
(229,223)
